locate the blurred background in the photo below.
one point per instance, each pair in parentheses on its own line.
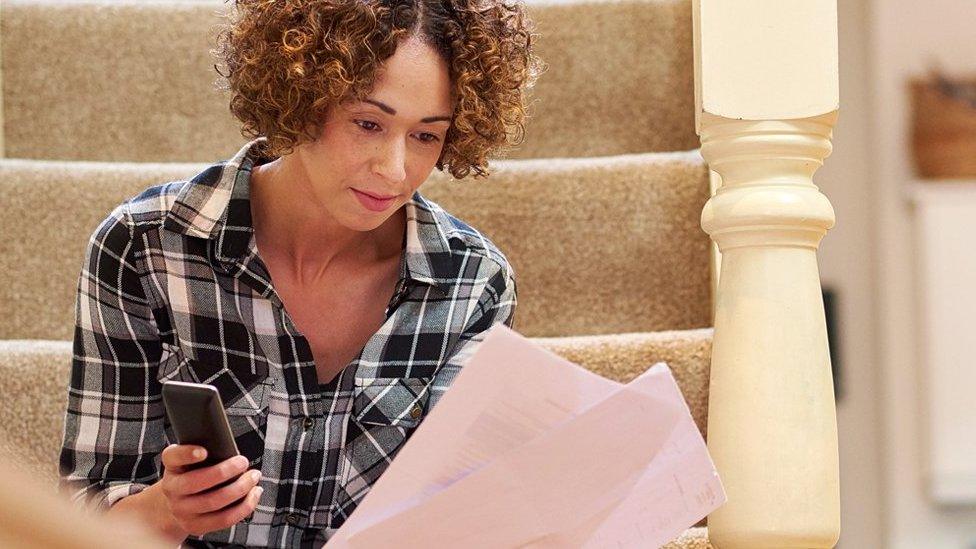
(901,266)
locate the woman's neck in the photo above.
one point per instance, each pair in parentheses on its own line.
(301,234)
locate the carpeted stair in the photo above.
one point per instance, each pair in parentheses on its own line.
(598,211)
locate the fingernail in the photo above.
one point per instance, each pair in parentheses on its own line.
(199,453)
(259,491)
(255,475)
(241,461)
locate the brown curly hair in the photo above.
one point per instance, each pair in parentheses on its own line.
(289,61)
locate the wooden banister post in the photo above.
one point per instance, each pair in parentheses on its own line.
(767,98)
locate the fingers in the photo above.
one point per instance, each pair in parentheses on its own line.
(208,498)
(217,499)
(176,457)
(219,520)
(205,478)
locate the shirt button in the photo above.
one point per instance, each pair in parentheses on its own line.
(293,519)
(308,423)
(417,410)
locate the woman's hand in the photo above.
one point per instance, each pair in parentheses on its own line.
(195,508)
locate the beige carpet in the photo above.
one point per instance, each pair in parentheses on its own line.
(128,80)
(48,210)
(614,246)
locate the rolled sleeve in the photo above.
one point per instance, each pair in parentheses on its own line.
(114,422)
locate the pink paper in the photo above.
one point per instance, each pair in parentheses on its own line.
(528,449)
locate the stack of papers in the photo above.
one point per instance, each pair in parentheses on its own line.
(527,449)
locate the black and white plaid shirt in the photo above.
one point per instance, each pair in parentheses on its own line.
(172,289)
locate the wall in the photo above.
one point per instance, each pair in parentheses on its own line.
(903,37)
(847,268)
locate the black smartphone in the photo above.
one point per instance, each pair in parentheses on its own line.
(197,415)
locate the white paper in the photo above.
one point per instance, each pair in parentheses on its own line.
(528,449)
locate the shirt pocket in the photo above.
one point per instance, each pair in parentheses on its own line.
(248,421)
(385,413)
(244,396)
(241,383)
(398,402)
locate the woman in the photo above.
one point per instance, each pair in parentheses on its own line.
(329,303)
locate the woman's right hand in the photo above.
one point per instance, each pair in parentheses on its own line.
(196,510)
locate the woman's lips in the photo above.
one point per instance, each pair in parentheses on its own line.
(373,203)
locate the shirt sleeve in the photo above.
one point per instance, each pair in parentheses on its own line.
(501,296)
(114,423)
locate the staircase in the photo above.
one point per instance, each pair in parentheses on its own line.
(599,211)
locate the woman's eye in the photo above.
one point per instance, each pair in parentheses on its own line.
(367,125)
(373,126)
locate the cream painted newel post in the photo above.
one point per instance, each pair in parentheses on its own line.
(767,97)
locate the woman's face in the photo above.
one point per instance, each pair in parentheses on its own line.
(372,155)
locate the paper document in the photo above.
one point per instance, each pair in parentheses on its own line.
(527,449)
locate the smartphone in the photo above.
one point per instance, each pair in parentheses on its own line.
(196,413)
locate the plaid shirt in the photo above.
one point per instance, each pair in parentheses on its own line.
(172,288)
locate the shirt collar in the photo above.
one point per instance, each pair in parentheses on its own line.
(215,205)
(428,255)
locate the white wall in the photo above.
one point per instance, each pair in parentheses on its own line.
(903,37)
(868,258)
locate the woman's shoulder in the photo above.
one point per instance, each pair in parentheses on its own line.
(121,234)
(149,207)
(462,237)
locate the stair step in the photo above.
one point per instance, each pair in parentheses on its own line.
(692,538)
(622,357)
(33,374)
(620,78)
(599,245)
(131,80)
(34,385)
(68,200)
(603,245)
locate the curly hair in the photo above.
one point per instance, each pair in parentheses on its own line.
(289,61)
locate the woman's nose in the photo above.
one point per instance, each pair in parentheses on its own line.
(391,161)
